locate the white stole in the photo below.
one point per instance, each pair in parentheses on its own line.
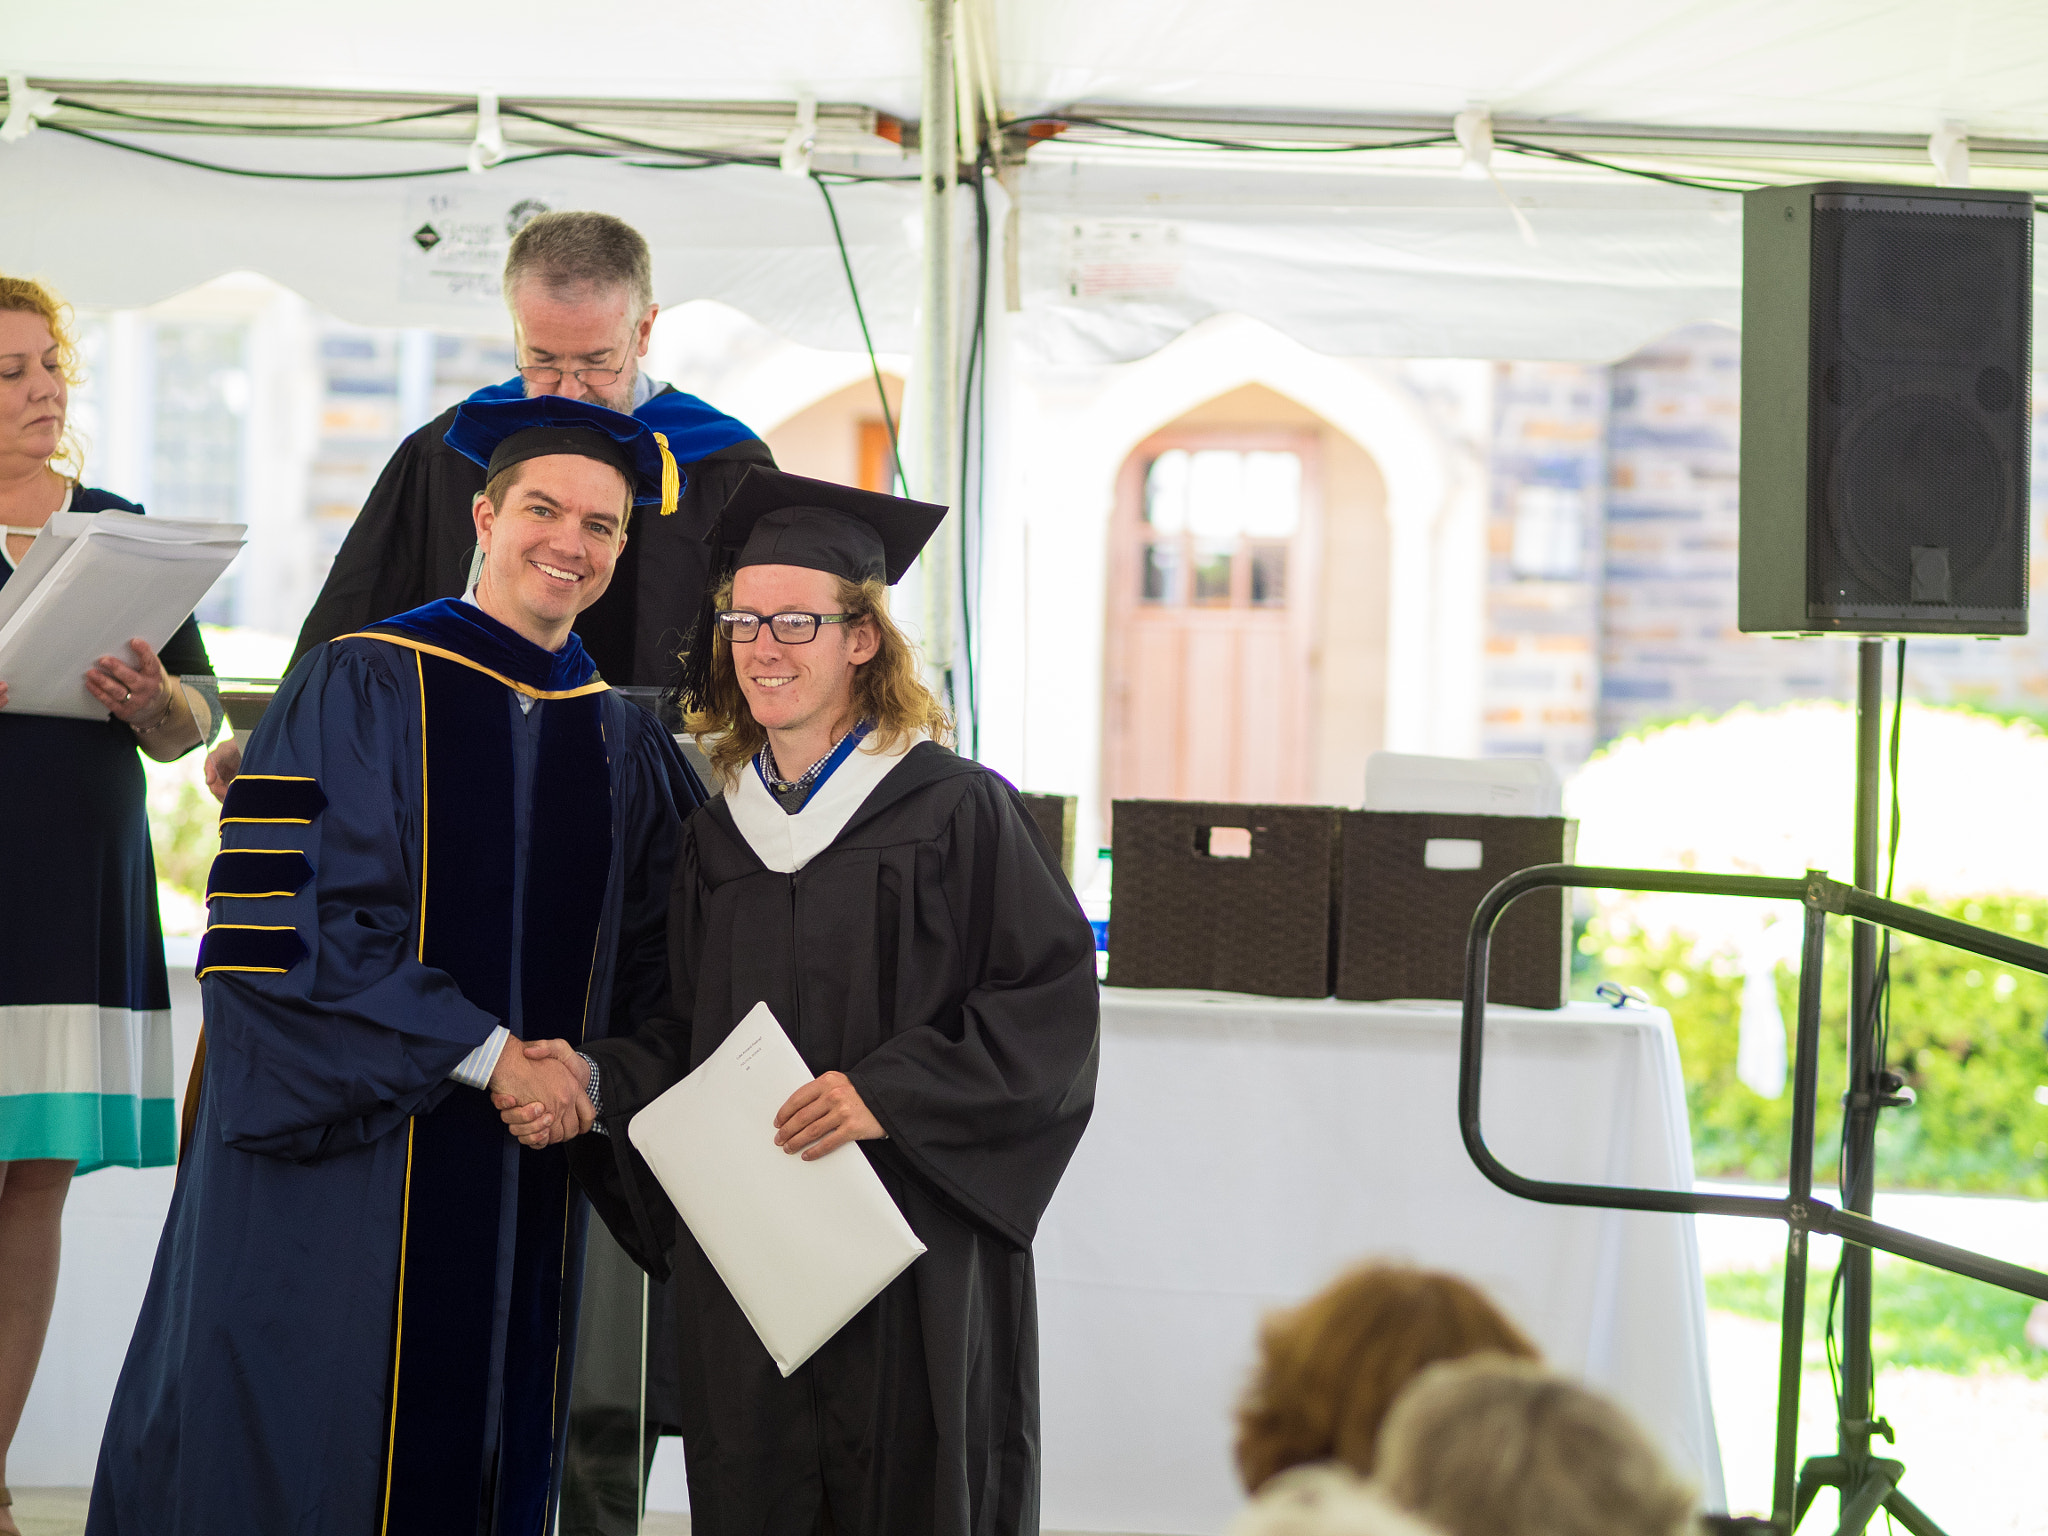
(785,842)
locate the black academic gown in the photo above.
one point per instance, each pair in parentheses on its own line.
(361,1315)
(934,953)
(411,542)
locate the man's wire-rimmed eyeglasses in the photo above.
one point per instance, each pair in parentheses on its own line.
(589,378)
(789,628)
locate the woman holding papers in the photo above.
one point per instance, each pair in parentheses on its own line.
(85,1021)
(897,912)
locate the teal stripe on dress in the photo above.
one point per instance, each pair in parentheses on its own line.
(98,1130)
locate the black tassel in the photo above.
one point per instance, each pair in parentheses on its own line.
(693,690)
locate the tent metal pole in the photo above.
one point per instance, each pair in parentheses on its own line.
(938,472)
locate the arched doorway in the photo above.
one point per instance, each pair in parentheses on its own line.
(1247,609)
(841,437)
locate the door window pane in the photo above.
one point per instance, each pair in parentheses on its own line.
(1162,564)
(1549,533)
(202,393)
(1216,493)
(1212,577)
(1269,575)
(1272,495)
(1166,491)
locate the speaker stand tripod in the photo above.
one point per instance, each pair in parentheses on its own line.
(1866,1483)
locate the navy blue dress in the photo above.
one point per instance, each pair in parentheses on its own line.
(85,1009)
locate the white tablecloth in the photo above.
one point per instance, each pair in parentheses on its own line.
(1244,1150)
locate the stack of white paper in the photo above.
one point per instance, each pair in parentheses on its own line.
(801,1246)
(1462,786)
(89,583)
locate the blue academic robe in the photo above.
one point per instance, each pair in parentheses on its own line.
(361,1315)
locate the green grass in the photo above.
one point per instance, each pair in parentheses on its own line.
(1921,1317)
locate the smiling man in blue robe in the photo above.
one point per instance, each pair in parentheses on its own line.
(450,838)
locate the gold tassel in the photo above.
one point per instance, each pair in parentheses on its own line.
(671,479)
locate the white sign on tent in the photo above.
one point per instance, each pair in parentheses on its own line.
(455,239)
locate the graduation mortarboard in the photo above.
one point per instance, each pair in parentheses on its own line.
(500,433)
(773,518)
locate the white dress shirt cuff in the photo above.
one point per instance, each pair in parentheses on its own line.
(475,1069)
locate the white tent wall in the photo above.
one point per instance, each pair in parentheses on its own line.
(128,231)
(1415,265)
(1397,266)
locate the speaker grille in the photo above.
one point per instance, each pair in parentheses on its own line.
(1917,484)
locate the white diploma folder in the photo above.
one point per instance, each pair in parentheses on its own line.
(801,1246)
(91,581)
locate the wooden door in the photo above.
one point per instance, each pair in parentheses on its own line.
(1212,619)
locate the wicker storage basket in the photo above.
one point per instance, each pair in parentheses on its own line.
(1403,926)
(1184,917)
(1054,815)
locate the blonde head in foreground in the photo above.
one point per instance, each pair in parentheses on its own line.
(1491,1445)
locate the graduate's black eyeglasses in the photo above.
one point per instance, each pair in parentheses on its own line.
(789,628)
(589,378)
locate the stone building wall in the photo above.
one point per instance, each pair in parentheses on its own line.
(1646,630)
(1541,684)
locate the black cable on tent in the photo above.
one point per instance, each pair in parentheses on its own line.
(683,159)
(1204,141)
(263,175)
(896,475)
(1573,157)
(974,439)
(458,109)
(698,159)
(1514,145)
(707,156)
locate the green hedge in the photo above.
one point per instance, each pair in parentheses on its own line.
(1967,1033)
(1919,1317)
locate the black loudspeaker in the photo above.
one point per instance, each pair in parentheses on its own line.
(1886,372)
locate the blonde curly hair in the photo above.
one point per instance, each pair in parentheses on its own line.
(888,688)
(24,295)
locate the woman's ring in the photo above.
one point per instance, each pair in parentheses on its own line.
(127,694)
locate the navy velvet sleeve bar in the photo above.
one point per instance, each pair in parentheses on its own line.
(342,1047)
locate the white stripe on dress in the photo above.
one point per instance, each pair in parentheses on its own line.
(84,1048)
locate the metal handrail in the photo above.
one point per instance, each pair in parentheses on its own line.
(1802,1214)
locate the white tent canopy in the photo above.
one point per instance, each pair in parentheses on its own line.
(1121,242)
(1883,66)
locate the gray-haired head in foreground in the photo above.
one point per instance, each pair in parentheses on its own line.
(1487,1444)
(571,254)
(1324,1499)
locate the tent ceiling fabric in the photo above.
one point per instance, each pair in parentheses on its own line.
(1118,248)
(1850,65)
(1879,66)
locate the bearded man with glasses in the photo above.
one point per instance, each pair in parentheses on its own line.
(580,288)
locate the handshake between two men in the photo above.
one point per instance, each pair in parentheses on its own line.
(541,1090)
